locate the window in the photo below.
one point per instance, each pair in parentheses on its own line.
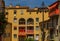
(37,19)
(6,13)
(30,36)
(15,19)
(49,24)
(37,36)
(56,32)
(14,15)
(4,35)
(8,34)
(37,27)
(59,29)
(15,11)
(15,28)
(51,34)
(30,12)
(30,21)
(37,12)
(15,35)
(45,11)
(22,21)
(21,12)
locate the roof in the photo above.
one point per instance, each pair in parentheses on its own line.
(56,12)
(54,9)
(53,5)
(31,10)
(17,7)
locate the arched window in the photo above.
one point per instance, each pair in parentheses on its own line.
(22,21)
(30,21)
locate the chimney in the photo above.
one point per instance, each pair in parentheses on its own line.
(17,5)
(35,8)
(10,5)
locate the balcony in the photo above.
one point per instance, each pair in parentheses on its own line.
(30,31)
(30,24)
(22,23)
(22,32)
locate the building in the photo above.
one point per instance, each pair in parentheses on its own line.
(53,29)
(25,22)
(52,23)
(54,16)
(59,21)
(2,5)
(8,33)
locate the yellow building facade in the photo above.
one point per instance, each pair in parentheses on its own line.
(25,22)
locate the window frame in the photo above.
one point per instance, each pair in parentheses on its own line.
(15,35)
(15,19)
(15,28)
(37,27)
(15,11)
(37,19)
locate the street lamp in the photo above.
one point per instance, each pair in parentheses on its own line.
(43,33)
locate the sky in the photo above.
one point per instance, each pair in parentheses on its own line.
(29,3)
